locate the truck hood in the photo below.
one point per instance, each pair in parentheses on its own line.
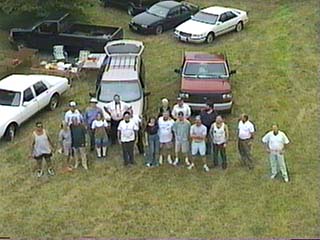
(146,18)
(137,107)
(194,27)
(205,85)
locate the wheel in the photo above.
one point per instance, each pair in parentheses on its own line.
(210,38)
(11,132)
(130,11)
(239,27)
(159,29)
(54,102)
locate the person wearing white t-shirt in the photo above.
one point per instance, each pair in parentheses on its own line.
(245,133)
(275,141)
(127,135)
(115,109)
(181,107)
(99,127)
(73,112)
(165,124)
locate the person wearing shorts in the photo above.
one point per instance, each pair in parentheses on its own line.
(41,148)
(65,143)
(99,127)
(181,130)
(198,134)
(165,124)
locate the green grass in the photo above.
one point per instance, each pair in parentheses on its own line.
(276,58)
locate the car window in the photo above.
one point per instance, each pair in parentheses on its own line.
(174,12)
(223,17)
(48,27)
(230,15)
(39,88)
(205,70)
(205,17)
(129,91)
(184,9)
(9,98)
(27,95)
(158,11)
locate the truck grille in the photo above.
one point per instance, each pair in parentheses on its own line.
(203,98)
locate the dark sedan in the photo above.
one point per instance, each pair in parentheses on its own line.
(162,16)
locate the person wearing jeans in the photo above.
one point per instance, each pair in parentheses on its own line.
(127,135)
(152,142)
(219,134)
(275,140)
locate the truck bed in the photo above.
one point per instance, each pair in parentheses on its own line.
(91,30)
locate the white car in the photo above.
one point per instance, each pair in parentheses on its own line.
(22,96)
(210,23)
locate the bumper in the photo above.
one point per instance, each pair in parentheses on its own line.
(217,106)
(189,39)
(139,29)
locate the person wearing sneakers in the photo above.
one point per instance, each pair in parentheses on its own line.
(219,134)
(78,143)
(181,130)
(89,116)
(245,133)
(42,148)
(73,112)
(275,141)
(65,143)
(165,124)
(99,128)
(198,134)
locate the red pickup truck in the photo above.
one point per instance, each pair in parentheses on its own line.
(206,78)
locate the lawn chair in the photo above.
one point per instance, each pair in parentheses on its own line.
(83,56)
(59,53)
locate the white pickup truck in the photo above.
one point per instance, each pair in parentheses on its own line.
(22,96)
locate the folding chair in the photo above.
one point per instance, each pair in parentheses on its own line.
(59,53)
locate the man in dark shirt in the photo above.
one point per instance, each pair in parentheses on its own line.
(208,117)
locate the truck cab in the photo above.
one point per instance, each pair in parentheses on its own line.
(206,78)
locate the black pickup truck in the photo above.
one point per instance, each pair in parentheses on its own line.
(57,31)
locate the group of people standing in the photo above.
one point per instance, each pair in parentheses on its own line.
(168,137)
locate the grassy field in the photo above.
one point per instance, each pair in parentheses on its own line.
(276,58)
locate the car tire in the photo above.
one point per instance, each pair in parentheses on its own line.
(210,38)
(130,10)
(11,131)
(54,102)
(239,27)
(159,30)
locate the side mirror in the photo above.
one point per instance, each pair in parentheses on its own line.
(91,94)
(233,72)
(177,70)
(146,94)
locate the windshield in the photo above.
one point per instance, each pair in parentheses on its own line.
(205,70)
(128,91)
(205,17)
(158,11)
(9,98)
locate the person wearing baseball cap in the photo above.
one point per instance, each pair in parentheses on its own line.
(73,112)
(89,116)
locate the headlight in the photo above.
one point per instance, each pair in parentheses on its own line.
(176,32)
(144,26)
(227,96)
(184,95)
(198,35)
